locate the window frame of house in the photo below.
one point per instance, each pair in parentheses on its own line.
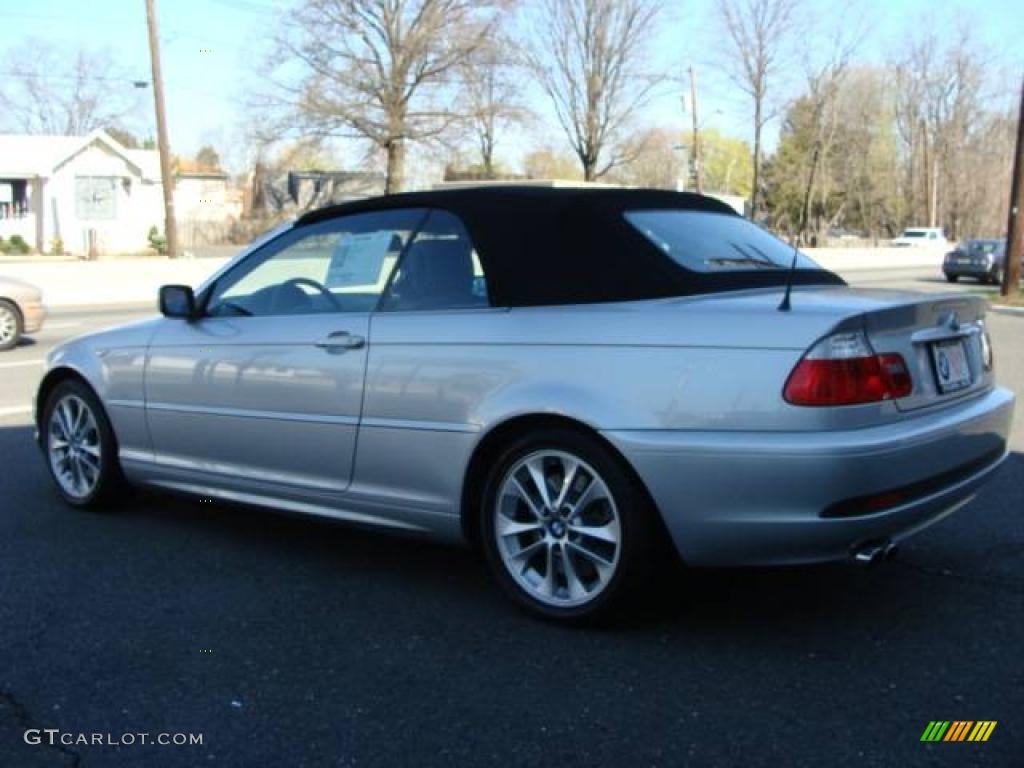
(89,211)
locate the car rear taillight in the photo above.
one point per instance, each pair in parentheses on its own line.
(842,369)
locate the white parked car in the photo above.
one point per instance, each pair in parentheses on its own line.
(922,237)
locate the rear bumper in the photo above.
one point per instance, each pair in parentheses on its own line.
(733,498)
(970,270)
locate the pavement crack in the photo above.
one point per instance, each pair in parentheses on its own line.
(25,720)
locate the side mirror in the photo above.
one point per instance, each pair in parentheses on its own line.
(178,301)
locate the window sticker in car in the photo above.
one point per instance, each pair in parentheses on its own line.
(358,258)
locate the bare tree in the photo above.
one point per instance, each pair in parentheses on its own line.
(587,58)
(941,103)
(825,80)
(208,156)
(49,91)
(491,96)
(549,163)
(655,162)
(758,33)
(379,71)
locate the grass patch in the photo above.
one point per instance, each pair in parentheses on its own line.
(1016,300)
(996,298)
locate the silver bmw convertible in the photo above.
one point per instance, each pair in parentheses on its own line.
(568,379)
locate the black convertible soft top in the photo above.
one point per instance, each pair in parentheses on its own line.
(543,245)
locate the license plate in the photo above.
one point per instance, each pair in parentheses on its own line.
(963,261)
(951,367)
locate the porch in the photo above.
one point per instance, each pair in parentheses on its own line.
(18,210)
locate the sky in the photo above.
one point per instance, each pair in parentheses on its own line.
(209,47)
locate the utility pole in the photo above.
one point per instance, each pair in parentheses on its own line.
(698,156)
(167,179)
(1014,226)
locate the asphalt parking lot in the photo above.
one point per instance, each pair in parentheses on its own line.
(295,642)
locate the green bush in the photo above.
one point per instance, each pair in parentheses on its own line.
(157,241)
(15,245)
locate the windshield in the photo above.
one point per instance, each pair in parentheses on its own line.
(914,233)
(714,242)
(982,246)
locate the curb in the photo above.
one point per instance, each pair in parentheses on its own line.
(1013,311)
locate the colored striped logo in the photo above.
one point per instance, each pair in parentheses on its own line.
(958,730)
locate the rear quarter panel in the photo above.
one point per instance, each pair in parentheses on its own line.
(437,382)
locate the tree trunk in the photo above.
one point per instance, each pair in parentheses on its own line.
(757,160)
(805,210)
(395,177)
(486,142)
(488,158)
(589,169)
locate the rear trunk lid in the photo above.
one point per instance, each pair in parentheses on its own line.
(941,337)
(943,341)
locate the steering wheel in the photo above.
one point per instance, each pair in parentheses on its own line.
(297,281)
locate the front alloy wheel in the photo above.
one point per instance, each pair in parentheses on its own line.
(565,527)
(79,445)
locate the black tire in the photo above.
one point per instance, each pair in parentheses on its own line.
(952,278)
(638,525)
(997,278)
(9,313)
(110,480)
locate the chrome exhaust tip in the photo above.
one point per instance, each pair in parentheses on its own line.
(873,552)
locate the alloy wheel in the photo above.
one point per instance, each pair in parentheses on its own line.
(73,446)
(557,528)
(8,325)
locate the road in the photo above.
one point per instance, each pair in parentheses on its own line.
(295,642)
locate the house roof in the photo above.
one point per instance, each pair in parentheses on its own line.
(28,156)
(194,169)
(147,160)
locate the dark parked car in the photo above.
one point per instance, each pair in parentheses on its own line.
(981,259)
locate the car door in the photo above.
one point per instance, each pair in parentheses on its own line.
(266,387)
(432,362)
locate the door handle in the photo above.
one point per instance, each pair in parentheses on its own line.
(340,341)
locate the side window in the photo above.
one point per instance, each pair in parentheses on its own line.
(440,270)
(339,265)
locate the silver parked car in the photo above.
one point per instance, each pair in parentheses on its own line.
(21,311)
(564,378)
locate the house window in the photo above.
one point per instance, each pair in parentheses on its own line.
(14,203)
(95,197)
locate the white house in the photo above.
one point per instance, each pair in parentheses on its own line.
(204,203)
(87,194)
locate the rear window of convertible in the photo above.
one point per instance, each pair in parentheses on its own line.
(714,242)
